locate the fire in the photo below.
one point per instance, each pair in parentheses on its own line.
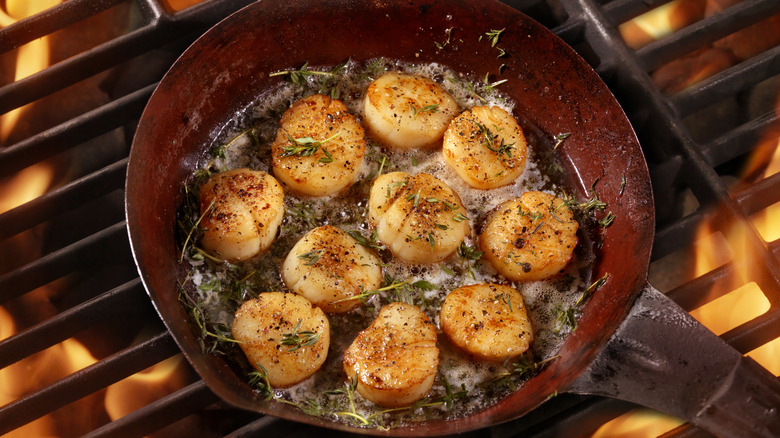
(32,57)
(37,371)
(178,5)
(25,186)
(61,360)
(660,22)
(638,423)
(741,299)
(144,388)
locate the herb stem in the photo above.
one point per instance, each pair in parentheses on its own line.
(194,227)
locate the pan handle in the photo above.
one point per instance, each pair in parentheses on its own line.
(662,358)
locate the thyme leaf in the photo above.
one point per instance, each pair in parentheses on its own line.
(306,147)
(298,77)
(489,140)
(195,227)
(311,258)
(371,242)
(425,109)
(295,340)
(494,35)
(607,220)
(560,138)
(259,379)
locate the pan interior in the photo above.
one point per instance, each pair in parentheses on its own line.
(554,89)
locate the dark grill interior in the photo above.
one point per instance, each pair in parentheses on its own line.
(66,270)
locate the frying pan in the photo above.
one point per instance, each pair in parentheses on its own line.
(631,342)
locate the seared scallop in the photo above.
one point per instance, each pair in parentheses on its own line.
(318,147)
(327,265)
(488,321)
(486,147)
(283,334)
(418,217)
(407,111)
(242,210)
(530,238)
(395,359)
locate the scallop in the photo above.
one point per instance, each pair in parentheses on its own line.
(407,111)
(394,361)
(283,335)
(529,238)
(488,321)
(329,268)
(319,147)
(418,217)
(486,147)
(242,210)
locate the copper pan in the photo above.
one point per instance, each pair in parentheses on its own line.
(631,342)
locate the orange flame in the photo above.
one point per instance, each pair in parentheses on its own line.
(741,300)
(32,57)
(178,5)
(144,388)
(37,371)
(54,363)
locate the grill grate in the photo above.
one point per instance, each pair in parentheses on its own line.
(94,269)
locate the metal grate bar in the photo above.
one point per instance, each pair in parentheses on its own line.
(675,235)
(50,20)
(706,31)
(122,299)
(74,132)
(79,255)
(754,333)
(264,425)
(185,26)
(82,66)
(739,141)
(759,195)
(87,381)
(160,413)
(728,82)
(623,10)
(73,194)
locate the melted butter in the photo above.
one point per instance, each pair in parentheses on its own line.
(348,211)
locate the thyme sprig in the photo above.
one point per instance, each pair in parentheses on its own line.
(493,36)
(297,339)
(365,294)
(424,109)
(469,254)
(400,288)
(526,365)
(489,140)
(298,77)
(607,220)
(507,299)
(311,258)
(371,242)
(307,146)
(523,368)
(259,379)
(195,228)
(447,41)
(349,391)
(560,138)
(567,318)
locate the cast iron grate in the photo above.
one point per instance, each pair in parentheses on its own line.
(93,273)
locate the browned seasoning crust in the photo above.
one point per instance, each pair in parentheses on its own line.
(242,211)
(395,359)
(334,165)
(488,321)
(260,325)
